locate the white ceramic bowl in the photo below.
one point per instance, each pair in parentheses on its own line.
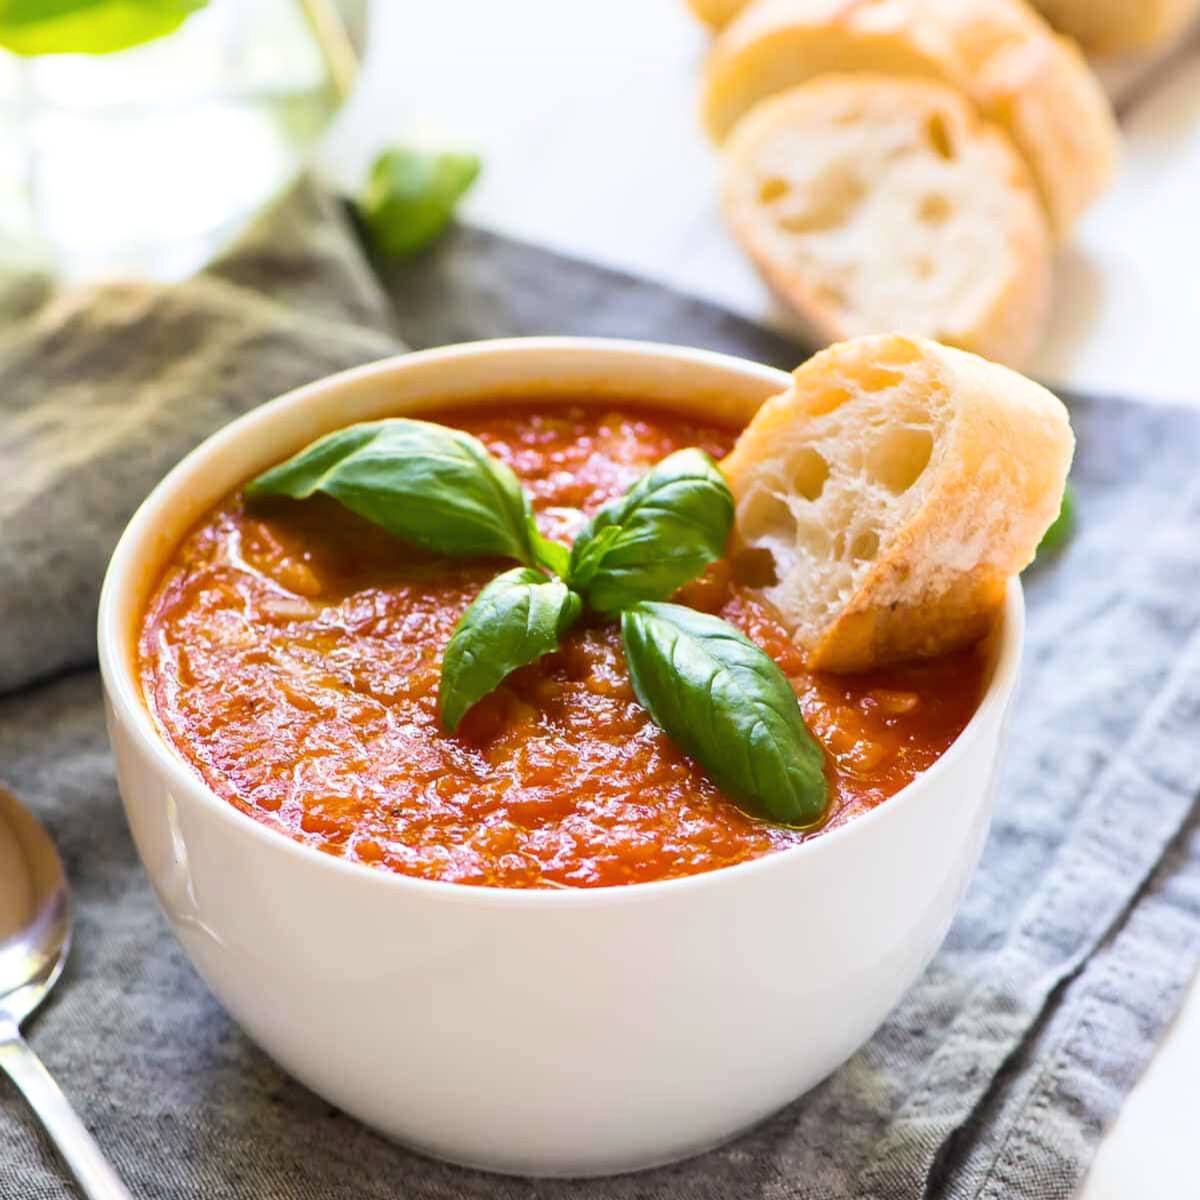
(543,1032)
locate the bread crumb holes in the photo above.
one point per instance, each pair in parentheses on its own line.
(874,379)
(810,472)
(898,352)
(899,458)
(934,209)
(939,137)
(829,202)
(767,516)
(865,546)
(828,401)
(772,189)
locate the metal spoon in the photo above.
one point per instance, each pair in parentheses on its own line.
(35,934)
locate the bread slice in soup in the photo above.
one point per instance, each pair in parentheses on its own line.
(897,486)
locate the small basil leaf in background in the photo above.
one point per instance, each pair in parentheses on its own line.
(1061,527)
(516,619)
(433,486)
(411,196)
(34,27)
(729,706)
(662,533)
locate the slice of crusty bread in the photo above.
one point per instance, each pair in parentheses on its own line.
(716,13)
(1118,26)
(875,204)
(897,486)
(999,53)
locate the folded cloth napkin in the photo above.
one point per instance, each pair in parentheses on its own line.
(994,1076)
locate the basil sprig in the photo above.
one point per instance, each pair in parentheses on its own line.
(729,706)
(724,701)
(433,486)
(663,532)
(517,618)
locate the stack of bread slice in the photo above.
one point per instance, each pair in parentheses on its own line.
(1101,27)
(906,164)
(872,202)
(1106,27)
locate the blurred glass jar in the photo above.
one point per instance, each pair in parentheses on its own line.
(148,160)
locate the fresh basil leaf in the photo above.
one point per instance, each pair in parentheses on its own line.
(729,706)
(554,556)
(434,486)
(516,619)
(32,27)
(411,196)
(1061,527)
(663,532)
(588,553)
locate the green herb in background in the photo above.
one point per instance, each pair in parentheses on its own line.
(724,700)
(1061,528)
(411,195)
(35,27)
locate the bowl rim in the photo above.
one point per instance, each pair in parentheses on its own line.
(123,690)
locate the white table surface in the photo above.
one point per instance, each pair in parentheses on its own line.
(585,115)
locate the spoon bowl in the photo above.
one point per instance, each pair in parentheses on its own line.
(35,915)
(35,937)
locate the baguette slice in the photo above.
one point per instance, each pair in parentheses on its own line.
(1119,26)
(716,13)
(897,485)
(871,203)
(999,53)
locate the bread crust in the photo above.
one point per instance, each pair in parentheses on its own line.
(1106,27)
(999,53)
(1000,452)
(986,260)
(716,13)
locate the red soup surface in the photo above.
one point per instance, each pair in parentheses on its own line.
(291,653)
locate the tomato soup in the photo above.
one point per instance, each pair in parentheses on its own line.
(291,654)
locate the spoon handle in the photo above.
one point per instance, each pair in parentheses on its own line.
(97,1180)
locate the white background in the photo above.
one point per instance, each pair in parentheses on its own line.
(585,114)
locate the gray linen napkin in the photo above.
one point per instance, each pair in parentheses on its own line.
(994,1076)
